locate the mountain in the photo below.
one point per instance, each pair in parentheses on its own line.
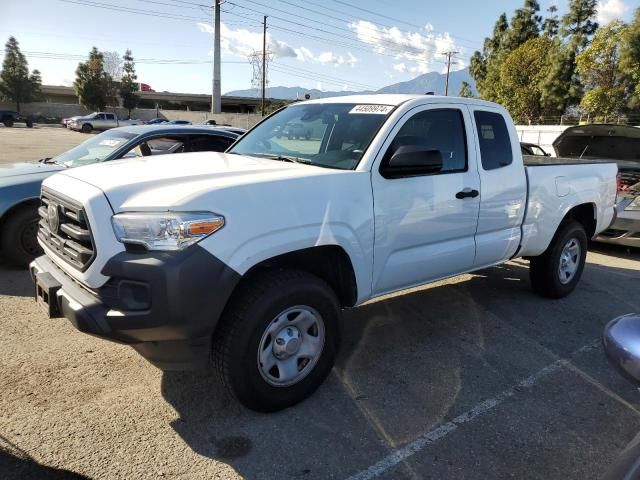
(428,82)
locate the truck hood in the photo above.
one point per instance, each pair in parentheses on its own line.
(21,169)
(174,181)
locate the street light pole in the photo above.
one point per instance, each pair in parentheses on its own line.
(264,61)
(216,100)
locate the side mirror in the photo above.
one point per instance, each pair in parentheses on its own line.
(413,160)
(621,340)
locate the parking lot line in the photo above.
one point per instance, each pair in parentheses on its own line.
(433,436)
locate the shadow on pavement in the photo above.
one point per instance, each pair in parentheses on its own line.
(15,282)
(17,464)
(408,363)
(617,251)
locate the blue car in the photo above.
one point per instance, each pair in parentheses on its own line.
(20,182)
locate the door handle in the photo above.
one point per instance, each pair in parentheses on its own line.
(467,193)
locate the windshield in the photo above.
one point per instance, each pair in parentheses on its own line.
(96,149)
(333,135)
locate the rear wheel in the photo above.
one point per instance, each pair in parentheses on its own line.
(8,122)
(277,340)
(29,123)
(557,271)
(86,128)
(18,240)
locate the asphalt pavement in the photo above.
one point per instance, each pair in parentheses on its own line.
(474,377)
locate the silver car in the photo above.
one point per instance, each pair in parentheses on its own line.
(622,144)
(99,121)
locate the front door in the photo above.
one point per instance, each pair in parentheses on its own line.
(425,225)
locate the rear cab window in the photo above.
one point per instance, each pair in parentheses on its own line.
(494,140)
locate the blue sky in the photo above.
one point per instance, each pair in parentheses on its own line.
(326,44)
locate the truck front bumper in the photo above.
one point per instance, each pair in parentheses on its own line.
(625,230)
(165,305)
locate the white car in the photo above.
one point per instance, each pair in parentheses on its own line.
(249,260)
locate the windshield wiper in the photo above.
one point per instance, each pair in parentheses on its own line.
(50,160)
(285,158)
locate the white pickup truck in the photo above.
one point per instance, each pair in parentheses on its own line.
(247,258)
(98,121)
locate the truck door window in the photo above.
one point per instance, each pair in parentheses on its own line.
(495,143)
(441,130)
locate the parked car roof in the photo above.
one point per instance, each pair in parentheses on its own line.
(167,128)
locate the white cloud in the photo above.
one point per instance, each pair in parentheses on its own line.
(243,42)
(333,59)
(609,10)
(416,51)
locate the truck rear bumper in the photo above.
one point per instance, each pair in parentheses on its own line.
(165,305)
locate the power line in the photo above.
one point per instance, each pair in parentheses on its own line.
(135,11)
(151,61)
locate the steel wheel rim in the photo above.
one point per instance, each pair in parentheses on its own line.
(291,346)
(28,238)
(569,260)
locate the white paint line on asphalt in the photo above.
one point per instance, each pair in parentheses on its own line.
(443,430)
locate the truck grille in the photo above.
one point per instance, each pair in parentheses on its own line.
(64,230)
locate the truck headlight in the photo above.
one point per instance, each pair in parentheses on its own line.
(635,205)
(165,230)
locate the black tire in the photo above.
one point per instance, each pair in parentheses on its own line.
(544,270)
(86,128)
(29,123)
(8,122)
(240,332)
(18,240)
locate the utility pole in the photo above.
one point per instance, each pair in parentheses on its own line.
(449,55)
(264,60)
(216,100)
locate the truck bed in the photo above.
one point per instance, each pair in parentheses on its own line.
(554,190)
(538,160)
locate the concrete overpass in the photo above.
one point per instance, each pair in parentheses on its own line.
(164,100)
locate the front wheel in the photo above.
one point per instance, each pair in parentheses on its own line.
(86,128)
(557,271)
(18,237)
(8,122)
(277,340)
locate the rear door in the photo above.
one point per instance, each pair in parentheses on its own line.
(504,186)
(425,225)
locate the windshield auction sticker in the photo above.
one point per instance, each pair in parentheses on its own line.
(110,142)
(374,109)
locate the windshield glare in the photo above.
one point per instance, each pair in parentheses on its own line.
(333,135)
(96,149)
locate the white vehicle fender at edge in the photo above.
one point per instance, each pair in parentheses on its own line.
(279,242)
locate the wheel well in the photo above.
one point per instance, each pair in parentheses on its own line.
(584,214)
(33,202)
(329,262)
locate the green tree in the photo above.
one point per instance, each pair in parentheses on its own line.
(525,25)
(599,68)
(483,66)
(522,76)
(465,90)
(563,87)
(630,61)
(16,85)
(551,24)
(128,84)
(92,84)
